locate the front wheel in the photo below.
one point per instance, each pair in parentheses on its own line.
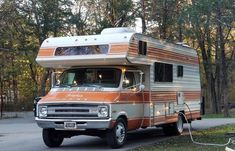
(116,137)
(174,128)
(51,138)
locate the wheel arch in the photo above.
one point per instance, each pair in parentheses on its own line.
(183,116)
(122,115)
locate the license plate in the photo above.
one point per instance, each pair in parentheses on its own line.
(70,125)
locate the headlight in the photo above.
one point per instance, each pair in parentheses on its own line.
(42,111)
(103,111)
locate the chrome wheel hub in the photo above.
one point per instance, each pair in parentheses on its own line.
(180,124)
(120,132)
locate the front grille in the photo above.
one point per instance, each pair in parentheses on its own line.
(72,111)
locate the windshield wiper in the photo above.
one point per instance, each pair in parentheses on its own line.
(63,85)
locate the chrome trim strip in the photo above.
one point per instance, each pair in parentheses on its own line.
(81,124)
(74,120)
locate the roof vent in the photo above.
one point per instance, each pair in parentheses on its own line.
(183,44)
(117,30)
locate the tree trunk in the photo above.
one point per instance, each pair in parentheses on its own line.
(214,96)
(223,76)
(211,93)
(1,93)
(218,73)
(45,77)
(164,21)
(180,33)
(15,89)
(143,17)
(14,81)
(207,63)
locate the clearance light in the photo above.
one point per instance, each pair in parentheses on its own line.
(123,70)
(58,81)
(134,89)
(158,113)
(100,76)
(127,81)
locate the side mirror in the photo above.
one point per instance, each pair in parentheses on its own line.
(54,80)
(141,87)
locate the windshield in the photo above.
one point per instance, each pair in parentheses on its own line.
(90,77)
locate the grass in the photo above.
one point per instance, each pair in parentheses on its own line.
(232,115)
(183,143)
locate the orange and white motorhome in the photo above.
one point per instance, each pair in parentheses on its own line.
(115,82)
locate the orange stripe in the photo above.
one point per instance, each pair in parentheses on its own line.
(163,96)
(136,97)
(65,96)
(107,97)
(46,52)
(168,55)
(133,124)
(158,120)
(193,115)
(192,95)
(133,51)
(172,95)
(162,55)
(118,98)
(119,48)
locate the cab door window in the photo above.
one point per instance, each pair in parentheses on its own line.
(129,80)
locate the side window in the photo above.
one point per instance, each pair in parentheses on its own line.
(129,80)
(82,50)
(142,47)
(163,72)
(180,71)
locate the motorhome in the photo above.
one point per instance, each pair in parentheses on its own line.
(115,82)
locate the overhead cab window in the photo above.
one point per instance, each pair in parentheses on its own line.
(142,47)
(163,72)
(82,50)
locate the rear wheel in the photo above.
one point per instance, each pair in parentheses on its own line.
(51,138)
(116,137)
(174,128)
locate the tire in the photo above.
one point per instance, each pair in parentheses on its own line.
(116,137)
(174,128)
(51,138)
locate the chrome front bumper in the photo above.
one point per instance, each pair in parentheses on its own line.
(81,124)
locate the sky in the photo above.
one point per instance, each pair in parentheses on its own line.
(138,25)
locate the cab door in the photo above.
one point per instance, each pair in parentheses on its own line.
(132,97)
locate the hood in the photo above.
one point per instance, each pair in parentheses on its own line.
(78,96)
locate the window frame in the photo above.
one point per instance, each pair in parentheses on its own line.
(134,79)
(142,48)
(180,71)
(82,50)
(96,71)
